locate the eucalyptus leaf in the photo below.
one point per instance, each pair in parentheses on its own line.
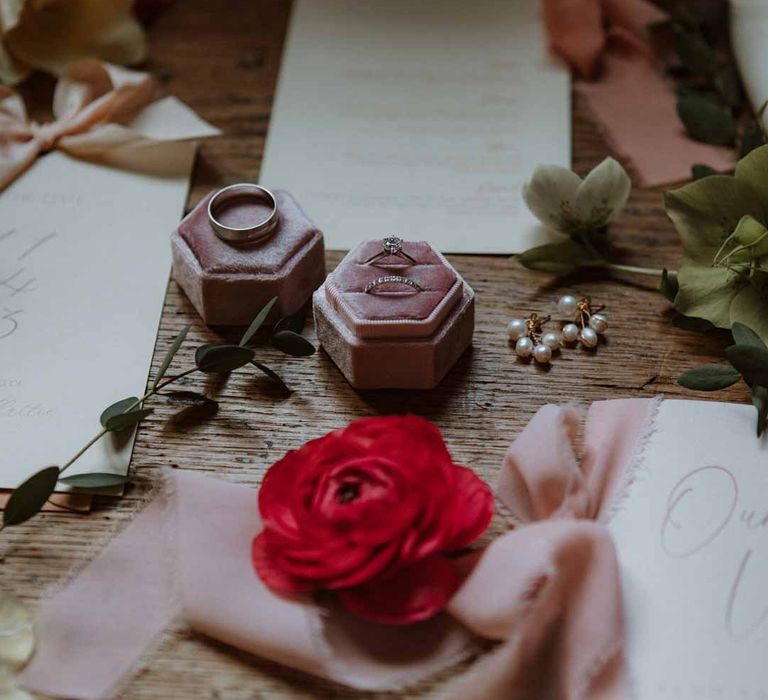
(726,77)
(559,258)
(292,344)
(699,171)
(127,420)
(696,55)
(214,359)
(707,122)
(175,345)
(95,480)
(274,376)
(669,286)
(257,322)
(752,137)
(30,496)
(693,324)
(744,335)
(118,408)
(292,322)
(751,361)
(709,378)
(750,304)
(760,401)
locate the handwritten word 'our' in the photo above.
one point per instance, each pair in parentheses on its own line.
(701,505)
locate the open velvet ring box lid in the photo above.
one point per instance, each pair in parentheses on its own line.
(394,337)
(229,284)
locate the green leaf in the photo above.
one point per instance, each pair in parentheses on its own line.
(257,322)
(705,121)
(744,335)
(752,171)
(669,286)
(751,361)
(749,307)
(292,322)
(707,211)
(95,480)
(118,408)
(709,378)
(125,421)
(706,292)
(292,344)
(214,359)
(694,52)
(30,496)
(192,398)
(699,171)
(175,345)
(760,401)
(692,324)
(274,376)
(559,258)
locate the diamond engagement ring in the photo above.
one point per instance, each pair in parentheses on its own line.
(392,279)
(391,246)
(243,191)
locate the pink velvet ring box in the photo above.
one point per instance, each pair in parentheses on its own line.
(395,337)
(228,284)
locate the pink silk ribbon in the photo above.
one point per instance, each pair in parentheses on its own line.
(608,44)
(548,592)
(101,113)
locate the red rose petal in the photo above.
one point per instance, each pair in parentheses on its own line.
(471,511)
(415,593)
(273,576)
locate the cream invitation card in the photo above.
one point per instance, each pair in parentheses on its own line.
(419,119)
(692,537)
(84,262)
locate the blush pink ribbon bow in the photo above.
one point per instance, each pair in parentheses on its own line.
(101,113)
(548,593)
(609,45)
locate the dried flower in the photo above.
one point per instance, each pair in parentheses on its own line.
(51,34)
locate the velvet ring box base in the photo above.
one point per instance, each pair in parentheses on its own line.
(228,284)
(395,339)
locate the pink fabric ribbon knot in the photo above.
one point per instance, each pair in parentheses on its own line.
(102,113)
(548,593)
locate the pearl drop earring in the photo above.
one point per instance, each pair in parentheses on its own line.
(588,323)
(529,339)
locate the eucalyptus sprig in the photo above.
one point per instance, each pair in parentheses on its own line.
(710,97)
(212,358)
(748,357)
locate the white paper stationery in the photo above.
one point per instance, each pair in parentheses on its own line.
(84,261)
(692,537)
(420,119)
(749,28)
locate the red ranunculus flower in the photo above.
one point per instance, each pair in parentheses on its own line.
(369,511)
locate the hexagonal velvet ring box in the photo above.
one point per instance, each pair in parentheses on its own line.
(395,335)
(228,284)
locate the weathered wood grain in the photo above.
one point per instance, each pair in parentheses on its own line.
(222,59)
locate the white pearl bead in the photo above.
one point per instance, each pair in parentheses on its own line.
(567,304)
(516,329)
(588,337)
(542,353)
(524,347)
(551,340)
(570,332)
(599,323)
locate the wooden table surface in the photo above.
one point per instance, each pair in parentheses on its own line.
(222,59)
